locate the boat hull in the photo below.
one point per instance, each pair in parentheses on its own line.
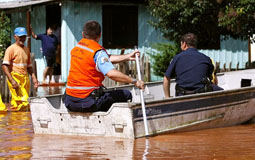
(125,120)
(209,110)
(232,106)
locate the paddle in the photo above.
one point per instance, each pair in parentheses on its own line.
(141,94)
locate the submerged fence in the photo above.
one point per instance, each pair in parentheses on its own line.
(129,68)
(4,90)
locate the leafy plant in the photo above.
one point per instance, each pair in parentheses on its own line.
(208,19)
(5,33)
(238,17)
(161,56)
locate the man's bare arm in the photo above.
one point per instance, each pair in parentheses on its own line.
(32,33)
(34,79)
(124,57)
(120,77)
(166,86)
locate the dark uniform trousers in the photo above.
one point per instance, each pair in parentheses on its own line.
(97,103)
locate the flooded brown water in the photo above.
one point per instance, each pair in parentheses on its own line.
(17,141)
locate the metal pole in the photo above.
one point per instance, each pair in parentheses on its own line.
(141,94)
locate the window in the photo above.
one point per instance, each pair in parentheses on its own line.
(120,26)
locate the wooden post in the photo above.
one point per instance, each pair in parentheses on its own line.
(122,66)
(32,89)
(147,70)
(217,70)
(6,90)
(142,67)
(1,79)
(28,29)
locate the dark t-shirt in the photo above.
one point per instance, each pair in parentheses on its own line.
(190,66)
(49,44)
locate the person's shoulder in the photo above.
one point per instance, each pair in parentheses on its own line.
(205,56)
(180,54)
(102,52)
(11,49)
(12,46)
(40,35)
(202,54)
(26,49)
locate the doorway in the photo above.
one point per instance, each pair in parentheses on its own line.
(53,19)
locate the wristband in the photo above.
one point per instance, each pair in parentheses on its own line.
(134,81)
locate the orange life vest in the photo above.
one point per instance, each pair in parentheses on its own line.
(83,76)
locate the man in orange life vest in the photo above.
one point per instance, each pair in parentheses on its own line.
(89,64)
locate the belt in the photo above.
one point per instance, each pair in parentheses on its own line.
(183,91)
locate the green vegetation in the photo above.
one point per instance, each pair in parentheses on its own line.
(206,18)
(5,33)
(161,56)
(238,18)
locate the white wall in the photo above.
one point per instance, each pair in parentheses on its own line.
(253,50)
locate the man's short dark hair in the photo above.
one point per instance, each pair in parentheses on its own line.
(92,29)
(47,27)
(190,39)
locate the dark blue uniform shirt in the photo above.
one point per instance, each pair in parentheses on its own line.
(189,67)
(49,44)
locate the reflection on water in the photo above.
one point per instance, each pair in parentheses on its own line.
(15,135)
(17,141)
(231,143)
(73,147)
(50,90)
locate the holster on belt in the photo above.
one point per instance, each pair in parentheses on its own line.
(98,92)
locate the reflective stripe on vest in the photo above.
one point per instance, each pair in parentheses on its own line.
(86,48)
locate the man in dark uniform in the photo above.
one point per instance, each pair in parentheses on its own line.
(193,70)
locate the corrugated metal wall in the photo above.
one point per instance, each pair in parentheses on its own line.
(235,51)
(147,35)
(74,15)
(39,26)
